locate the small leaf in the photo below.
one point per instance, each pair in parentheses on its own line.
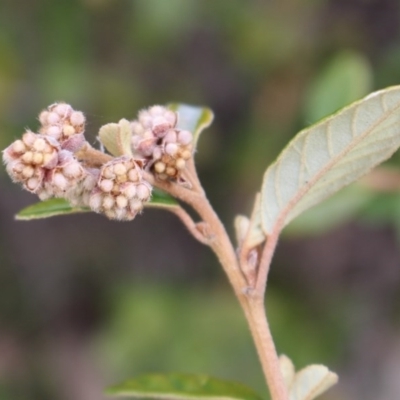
(312,381)
(192,118)
(346,78)
(255,235)
(322,159)
(241,225)
(161,199)
(116,138)
(182,386)
(287,368)
(48,208)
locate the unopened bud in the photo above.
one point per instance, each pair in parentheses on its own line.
(185,137)
(53,118)
(77,118)
(171,149)
(180,163)
(18,147)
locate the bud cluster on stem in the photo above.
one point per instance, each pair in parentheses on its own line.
(59,162)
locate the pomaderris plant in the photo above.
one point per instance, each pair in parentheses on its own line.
(150,162)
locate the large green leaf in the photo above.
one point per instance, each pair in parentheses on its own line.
(182,386)
(322,159)
(192,118)
(55,207)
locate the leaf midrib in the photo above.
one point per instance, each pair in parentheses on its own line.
(280,220)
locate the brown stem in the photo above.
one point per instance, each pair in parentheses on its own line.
(190,224)
(91,156)
(265,262)
(252,301)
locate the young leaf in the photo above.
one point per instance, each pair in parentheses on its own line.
(55,207)
(312,381)
(255,235)
(48,208)
(322,159)
(182,386)
(287,368)
(192,118)
(116,138)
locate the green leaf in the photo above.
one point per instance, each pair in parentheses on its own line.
(192,118)
(55,207)
(346,78)
(161,199)
(322,159)
(182,386)
(116,138)
(48,208)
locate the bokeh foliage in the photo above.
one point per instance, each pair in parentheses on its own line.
(77,310)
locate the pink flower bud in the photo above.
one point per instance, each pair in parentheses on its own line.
(171,149)
(77,118)
(53,118)
(185,137)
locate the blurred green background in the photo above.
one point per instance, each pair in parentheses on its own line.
(86,302)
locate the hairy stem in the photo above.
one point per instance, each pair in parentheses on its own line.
(252,302)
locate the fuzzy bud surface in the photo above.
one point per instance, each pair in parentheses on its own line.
(157,138)
(120,190)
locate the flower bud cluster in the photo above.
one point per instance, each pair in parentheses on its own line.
(120,191)
(44,162)
(157,138)
(64,124)
(28,160)
(51,163)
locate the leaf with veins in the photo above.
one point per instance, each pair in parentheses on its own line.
(329,155)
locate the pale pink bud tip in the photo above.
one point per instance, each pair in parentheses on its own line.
(18,147)
(121,201)
(120,169)
(54,131)
(129,190)
(68,130)
(39,144)
(108,202)
(29,138)
(53,118)
(95,201)
(62,109)
(106,185)
(171,149)
(32,184)
(77,118)
(180,163)
(156,110)
(60,182)
(43,117)
(170,137)
(72,170)
(143,192)
(185,137)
